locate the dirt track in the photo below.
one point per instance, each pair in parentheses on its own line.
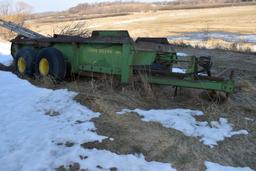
(131,135)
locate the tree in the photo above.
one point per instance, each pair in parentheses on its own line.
(16,13)
(5,7)
(23,7)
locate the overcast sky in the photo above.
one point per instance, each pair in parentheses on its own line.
(59,5)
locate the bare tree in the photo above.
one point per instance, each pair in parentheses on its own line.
(22,10)
(75,29)
(16,13)
(5,7)
(23,7)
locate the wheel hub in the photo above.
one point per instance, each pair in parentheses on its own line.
(44,67)
(21,65)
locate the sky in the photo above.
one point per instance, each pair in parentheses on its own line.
(59,5)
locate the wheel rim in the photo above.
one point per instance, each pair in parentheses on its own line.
(21,65)
(44,67)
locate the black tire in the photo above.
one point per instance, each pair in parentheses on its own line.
(26,55)
(56,61)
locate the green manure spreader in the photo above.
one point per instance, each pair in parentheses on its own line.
(113,53)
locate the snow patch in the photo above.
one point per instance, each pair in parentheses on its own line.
(181,54)
(226,36)
(184,121)
(249,119)
(5,48)
(28,135)
(217,167)
(5,57)
(107,160)
(36,123)
(178,70)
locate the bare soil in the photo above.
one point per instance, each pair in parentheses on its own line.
(131,135)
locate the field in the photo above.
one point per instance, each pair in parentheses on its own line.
(239,19)
(98,124)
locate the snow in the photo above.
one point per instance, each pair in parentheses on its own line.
(5,48)
(29,134)
(178,70)
(217,167)
(226,36)
(248,119)
(107,160)
(181,54)
(5,57)
(184,121)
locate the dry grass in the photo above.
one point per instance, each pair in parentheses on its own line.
(75,29)
(246,86)
(46,81)
(16,18)
(146,86)
(217,44)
